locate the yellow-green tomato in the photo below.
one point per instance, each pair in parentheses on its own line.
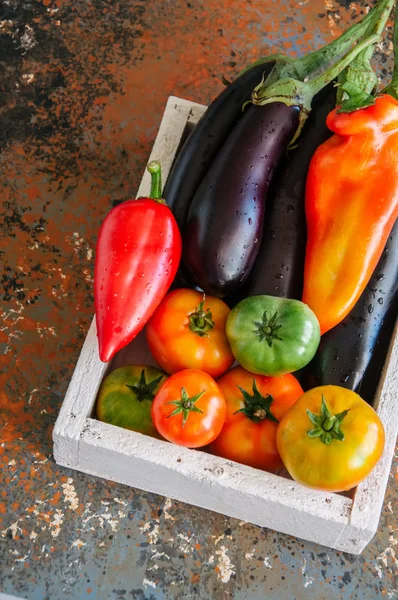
(125,397)
(330,439)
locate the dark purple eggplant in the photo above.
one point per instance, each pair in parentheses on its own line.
(345,352)
(371,378)
(225,220)
(224,227)
(206,139)
(279,266)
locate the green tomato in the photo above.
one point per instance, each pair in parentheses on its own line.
(125,397)
(272,336)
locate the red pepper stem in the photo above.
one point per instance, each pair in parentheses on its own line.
(155,170)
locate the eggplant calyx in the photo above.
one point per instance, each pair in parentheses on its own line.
(201,321)
(276,58)
(293,92)
(267,329)
(327,425)
(185,405)
(257,407)
(144,390)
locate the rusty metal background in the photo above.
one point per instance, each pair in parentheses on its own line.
(83,87)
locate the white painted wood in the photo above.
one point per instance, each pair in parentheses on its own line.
(177,113)
(369,494)
(212,482)
(198,478)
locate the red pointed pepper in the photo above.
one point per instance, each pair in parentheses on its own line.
(137,257)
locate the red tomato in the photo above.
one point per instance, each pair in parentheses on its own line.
(187,331)
(255,404)
(189,409)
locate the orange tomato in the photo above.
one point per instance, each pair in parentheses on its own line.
(189,409)
(330,439)
(187,331)
(255,404)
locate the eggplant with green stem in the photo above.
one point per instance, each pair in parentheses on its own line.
(224,227)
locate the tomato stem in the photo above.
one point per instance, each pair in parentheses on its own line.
(267,329)
(201,321)
(144,390)
(327,425)
(185,405)
(257,407)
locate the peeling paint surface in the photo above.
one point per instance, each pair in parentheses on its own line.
(83,88)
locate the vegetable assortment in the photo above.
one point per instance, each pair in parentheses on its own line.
(285,223)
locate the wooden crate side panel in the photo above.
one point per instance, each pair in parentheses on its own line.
(171,130)
(211,482)
(79,400)
(369,495)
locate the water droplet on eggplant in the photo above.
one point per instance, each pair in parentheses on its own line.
(344,378)
(380,301)
(370,308)
(250,221)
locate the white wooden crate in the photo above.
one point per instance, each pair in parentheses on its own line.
(81,442)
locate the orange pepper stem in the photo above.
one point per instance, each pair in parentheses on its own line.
(392,88)
(327,425)
(358,81)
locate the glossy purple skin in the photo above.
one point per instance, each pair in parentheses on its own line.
(224,227)
(206,139)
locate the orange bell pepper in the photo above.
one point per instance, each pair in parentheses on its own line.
(351,207)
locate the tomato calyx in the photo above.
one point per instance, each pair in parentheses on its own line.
(267,329)
(201,321)
(144,390)
(257,407)
(185,405)
(327,425)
